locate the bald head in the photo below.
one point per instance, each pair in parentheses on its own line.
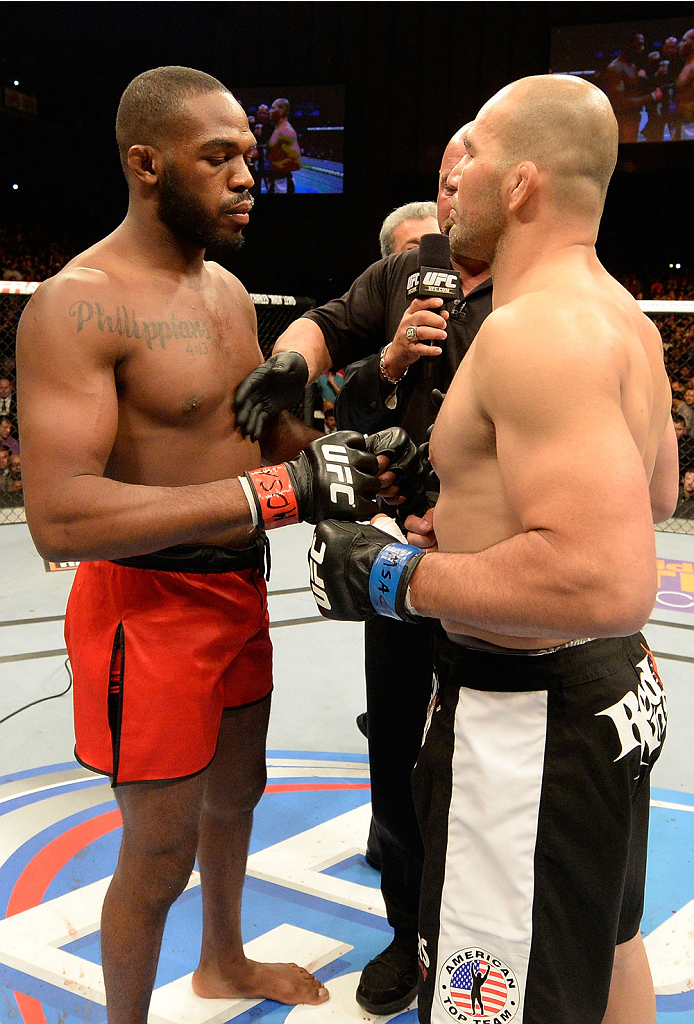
(454,149)
(279,109)
(452,155)
(562,124)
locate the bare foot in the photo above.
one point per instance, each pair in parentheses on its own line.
(286,983)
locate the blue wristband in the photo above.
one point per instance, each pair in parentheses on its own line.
(385,574)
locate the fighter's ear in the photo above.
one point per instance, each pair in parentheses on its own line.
(145,162)
(524,185)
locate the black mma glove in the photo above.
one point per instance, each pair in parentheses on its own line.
(276,384)
(334,477)
(357,571)
(437,398)
(406,462)
(397,445)
(424,494)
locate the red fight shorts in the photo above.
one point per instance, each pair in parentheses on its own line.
(156,657)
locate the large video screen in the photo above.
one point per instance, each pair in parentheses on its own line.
(300,133)
(646,68)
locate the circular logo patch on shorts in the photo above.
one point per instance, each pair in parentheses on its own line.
(475,986)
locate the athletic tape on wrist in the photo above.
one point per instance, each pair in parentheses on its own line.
(384,577)
(251,498)
(276,496)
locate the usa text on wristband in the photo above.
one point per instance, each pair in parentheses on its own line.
(276,496)
(386,575)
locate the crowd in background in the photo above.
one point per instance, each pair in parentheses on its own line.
(35,255)
(657,284)
(10,462)
(32,255)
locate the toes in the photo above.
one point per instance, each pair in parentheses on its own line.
(321,996)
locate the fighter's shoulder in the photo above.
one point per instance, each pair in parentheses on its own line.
(530,317)
(227,283)
(228,297)
(548,336)
(70,313)
(83,279)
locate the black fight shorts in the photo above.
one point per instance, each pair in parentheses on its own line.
(532,793)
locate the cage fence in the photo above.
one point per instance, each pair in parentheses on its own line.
(674,319)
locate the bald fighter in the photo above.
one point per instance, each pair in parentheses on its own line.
(404,349)
(129,360)
(532,786)
(283,152)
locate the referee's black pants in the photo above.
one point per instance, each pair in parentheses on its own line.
(398,662)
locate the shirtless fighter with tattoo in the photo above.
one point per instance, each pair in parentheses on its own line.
(129,361)
(532,786)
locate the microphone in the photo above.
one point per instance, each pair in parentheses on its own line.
(434,277)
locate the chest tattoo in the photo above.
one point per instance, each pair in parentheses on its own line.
(125,322)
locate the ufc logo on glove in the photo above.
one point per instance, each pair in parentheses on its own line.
(337,462)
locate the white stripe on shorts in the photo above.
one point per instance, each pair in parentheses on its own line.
(488,887)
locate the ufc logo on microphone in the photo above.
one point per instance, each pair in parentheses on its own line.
(432,279)
(316,557)
(337,462)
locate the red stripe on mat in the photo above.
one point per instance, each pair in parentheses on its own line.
(33,882)
(31,886)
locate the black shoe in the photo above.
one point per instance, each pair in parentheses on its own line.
(363,724)
(388,983)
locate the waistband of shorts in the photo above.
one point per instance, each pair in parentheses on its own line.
(203,558)
(473,643)
(518,673)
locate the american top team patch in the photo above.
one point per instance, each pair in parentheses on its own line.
(477,987)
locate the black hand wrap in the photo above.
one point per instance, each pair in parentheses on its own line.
(425,493)
(357,571)
(276,384)
(437,398)
(411,469)
(396,444)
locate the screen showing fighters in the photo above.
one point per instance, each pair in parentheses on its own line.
(300,132)
(646,68)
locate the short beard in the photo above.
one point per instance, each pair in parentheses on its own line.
(182,212)
(447,229)
(482,238)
